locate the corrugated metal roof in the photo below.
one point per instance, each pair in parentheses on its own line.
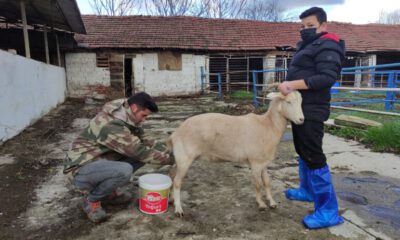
(59,14)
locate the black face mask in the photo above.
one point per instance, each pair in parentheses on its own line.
(308,34)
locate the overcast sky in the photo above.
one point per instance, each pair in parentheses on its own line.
(353,11)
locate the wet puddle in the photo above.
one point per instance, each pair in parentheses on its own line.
(388,214)
(375,199)
(354,180)
(396,190)
(353,198)
(397,204)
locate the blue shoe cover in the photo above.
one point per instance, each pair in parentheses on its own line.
(303,193)
(326,209)
(298,194)
(322,219)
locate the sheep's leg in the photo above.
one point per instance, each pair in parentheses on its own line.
(172,174)
(256,172)
(182,168)
(267,185)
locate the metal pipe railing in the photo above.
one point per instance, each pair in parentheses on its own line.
(389,82)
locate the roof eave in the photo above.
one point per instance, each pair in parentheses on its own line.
(72,15)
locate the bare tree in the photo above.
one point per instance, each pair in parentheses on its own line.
(266,11)
(168,7)
(389,17)
(218,8)
(115,7)
(200,8)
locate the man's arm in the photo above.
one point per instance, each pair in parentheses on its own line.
(119,139)
(328,66)
(287,87)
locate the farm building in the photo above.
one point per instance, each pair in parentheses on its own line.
(159,55)
(163,55)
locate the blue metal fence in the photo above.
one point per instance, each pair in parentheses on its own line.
(207,85)
(380,82)
(386,83)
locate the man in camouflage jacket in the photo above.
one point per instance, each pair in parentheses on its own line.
(103,157)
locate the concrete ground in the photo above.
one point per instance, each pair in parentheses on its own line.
(218,198)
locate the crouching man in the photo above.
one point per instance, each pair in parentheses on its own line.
(104,156)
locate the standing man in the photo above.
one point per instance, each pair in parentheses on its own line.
(103,157)
(314,69)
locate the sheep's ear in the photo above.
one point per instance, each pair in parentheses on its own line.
(273,95)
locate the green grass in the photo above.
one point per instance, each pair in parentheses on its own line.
(383,139)
(348,133)
(386,138)
(371,116)
(241,94)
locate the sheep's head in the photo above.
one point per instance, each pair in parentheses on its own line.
(290,106)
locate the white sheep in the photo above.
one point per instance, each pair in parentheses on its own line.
(250,138)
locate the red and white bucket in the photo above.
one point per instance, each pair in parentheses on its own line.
(153,193)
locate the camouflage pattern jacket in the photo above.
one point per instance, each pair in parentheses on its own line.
(112,132)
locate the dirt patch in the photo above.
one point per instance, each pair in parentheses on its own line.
(34,163)
(218,198)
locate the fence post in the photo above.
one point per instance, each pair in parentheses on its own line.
(219,86)
(254,74)
(202,75)
(389,103)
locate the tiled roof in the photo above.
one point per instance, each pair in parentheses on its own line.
(191,33)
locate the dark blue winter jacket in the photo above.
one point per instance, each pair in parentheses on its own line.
(319,64)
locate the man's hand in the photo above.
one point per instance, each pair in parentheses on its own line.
(162,158)
(157,153)
(161,154)
(148,142)
(285,88)
(138,132)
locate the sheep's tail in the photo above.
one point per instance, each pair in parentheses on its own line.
(169,144)
(170,147)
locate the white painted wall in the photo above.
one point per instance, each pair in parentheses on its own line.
(364,79)
(28,90)
(269,64)
(164,82)
(82,72)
